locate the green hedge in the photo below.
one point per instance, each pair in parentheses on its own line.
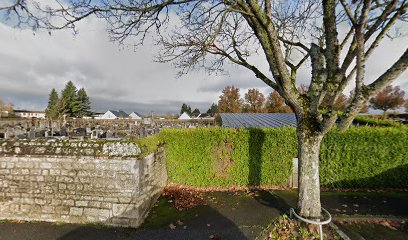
(360,157)
(369,121)
(223,157)
(365,157)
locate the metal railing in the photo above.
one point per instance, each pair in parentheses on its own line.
(319,223)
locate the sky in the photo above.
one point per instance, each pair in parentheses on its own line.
(122,77)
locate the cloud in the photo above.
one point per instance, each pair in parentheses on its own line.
(121,77)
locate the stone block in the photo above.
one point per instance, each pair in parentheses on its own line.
(124,210)
(76,211)
(94,204)
(120,221)
(81,203)
(45,165)
(97,212)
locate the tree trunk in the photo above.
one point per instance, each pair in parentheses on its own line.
(309,141)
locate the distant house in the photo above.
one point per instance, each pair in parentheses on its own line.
(258,120)
(135,116)
(111,114)
(29,114)
(184,116)
(205,116)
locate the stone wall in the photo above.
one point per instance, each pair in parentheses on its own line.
(95,186)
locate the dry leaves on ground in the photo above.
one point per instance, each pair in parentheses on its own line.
(183,198)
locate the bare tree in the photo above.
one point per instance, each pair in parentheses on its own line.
(287,34)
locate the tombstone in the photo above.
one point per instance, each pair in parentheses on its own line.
(43,124)
(22,136)
(147,121)
(63,131)
(31,134)
(46,134)
(40,133)
(95,134)
(109,134)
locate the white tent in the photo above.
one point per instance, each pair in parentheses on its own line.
(135,115)
(184,116)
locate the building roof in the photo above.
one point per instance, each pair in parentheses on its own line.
(27,111)
(258,120)
(119,114)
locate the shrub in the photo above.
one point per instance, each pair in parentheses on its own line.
(365,157)
(368,121)
(211,157)
(251,157)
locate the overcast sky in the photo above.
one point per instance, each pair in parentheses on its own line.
(118,77)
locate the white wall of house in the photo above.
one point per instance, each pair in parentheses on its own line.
(31,114)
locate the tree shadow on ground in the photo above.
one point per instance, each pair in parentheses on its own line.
(373,203)
(273,200)
(202,222)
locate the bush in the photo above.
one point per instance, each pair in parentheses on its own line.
(206,157)
(212,157)
(368,121)
(365,157)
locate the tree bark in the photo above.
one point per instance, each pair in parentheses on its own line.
(309,140)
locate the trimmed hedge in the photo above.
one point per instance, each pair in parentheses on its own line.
(369,121)
(206,157)
(365,157)
(211,157)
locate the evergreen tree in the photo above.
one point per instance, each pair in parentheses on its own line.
(58,109)
(70,102)
(196,111)
(185,108)
(213,109)
(83,108)
(52,102)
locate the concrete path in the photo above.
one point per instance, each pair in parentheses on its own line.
(225,216)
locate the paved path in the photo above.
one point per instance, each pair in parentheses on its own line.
(226,216)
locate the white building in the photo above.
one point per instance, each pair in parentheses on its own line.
(29,114)
(184,116)
(110,114)
(135,116)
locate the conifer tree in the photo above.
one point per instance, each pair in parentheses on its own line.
(213,109)
(83,108)
(52,102)
(71,102)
